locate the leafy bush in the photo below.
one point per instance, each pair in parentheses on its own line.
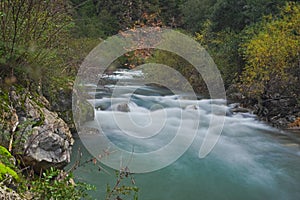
(55,184)
(272,54)
(120,190)
(30,34)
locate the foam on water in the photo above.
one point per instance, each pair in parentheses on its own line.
(248,162)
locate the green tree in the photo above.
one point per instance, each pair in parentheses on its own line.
(100,18)
(29,30)
(226,14)
(195,13)
(223,47)
(272,54)
(236,14)
(170,12)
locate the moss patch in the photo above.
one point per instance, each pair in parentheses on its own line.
(6,165)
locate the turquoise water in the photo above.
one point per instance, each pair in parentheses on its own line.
(250,161)
(247,167)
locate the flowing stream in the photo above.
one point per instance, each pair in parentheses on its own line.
(250,161)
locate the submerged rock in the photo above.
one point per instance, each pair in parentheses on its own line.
(121,107)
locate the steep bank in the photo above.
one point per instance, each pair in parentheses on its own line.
(33,139)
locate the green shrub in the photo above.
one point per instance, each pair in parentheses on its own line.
(272,54)
(122,189)
(55,184)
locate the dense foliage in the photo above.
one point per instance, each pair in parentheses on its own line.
(46,42)
(272,54)
(29,30)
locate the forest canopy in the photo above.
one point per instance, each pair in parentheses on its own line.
(254,43)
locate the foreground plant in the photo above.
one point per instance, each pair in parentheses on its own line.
(56,184)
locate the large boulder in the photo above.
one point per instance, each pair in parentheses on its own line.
(49,143)
(42,138)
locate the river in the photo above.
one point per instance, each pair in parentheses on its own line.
(250,161)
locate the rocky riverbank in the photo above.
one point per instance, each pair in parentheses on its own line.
(38,140)
(279,111)
(36,135)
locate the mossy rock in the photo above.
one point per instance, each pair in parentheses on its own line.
(7,166)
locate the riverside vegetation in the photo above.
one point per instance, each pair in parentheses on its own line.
(255,44)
